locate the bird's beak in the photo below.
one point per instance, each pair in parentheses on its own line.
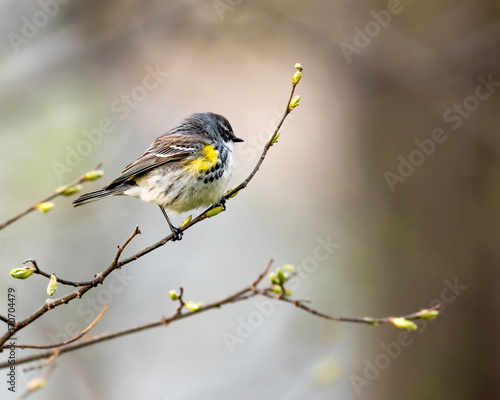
(237,139)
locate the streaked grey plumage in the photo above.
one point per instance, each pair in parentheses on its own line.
(186,168)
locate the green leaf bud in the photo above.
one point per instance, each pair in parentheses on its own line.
(214,211)
(173,295)
(280,276)
(193,306)
(289,268)
(403,323)
(22,273)
(294,103)
(93,175)
(428,314)
(296,77)
(52,286)
(44,207)
(69,190)
(275,139)
(186,221)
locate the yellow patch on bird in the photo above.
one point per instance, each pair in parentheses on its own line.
(209,159)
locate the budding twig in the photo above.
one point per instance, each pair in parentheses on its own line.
(277,290)
(252,290)
(50,304)
(66,190)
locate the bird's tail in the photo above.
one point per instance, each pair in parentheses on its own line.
(99,194)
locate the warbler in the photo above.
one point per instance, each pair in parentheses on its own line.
(186,168)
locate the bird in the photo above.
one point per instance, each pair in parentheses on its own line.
(186,168)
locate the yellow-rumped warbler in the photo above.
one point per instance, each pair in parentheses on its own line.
(186,168)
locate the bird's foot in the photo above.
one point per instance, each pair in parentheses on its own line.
(222,203)
(177,232)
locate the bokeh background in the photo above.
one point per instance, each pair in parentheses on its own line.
(379,78)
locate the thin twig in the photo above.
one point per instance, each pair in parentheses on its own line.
(50,304)
(93,282)
(98,278)
(238,296)
(253,285)
(268,145)
(40,381)
(47,362)
(56,193)
(119,252)
(180,300)
(250,291)
(364,320)
(66,342)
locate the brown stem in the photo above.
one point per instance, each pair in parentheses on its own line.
(250,291)
(66,342)
(50,304)
(52,196)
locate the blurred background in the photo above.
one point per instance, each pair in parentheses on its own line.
(391,159)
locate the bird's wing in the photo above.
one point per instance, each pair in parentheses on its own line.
(165,149)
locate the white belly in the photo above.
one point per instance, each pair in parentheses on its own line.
(177,190)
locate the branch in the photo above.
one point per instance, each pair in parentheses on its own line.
(93,282)
(48,305)
(65,190)
(291,104)
(99,278)
(209,212)
(40,381)
(66,342)
(271,141)
(249,291)
(276,291)
(238,296)
(422,314)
